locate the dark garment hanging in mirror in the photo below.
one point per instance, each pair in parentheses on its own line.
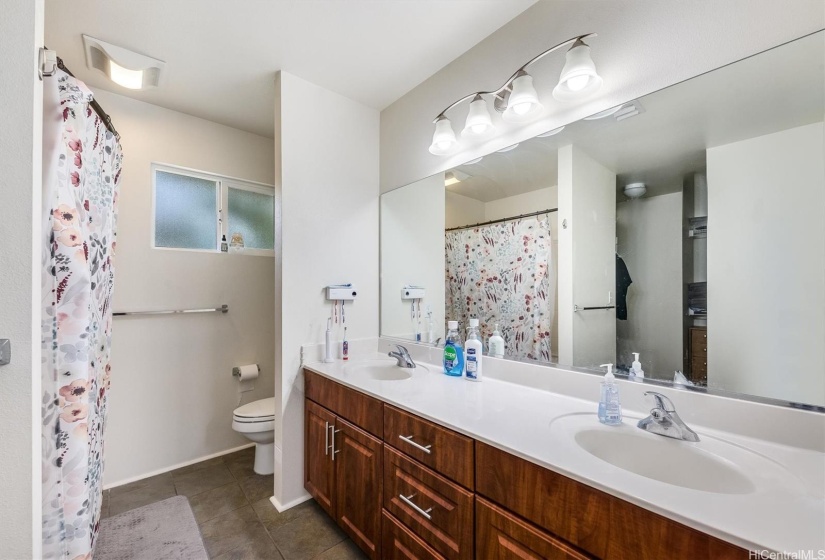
(623,282)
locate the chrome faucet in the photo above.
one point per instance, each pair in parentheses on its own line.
(664,421)
(403,357)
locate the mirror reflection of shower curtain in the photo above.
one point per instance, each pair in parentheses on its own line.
(82,162)
(503,273)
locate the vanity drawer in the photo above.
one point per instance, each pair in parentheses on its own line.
(360,409)
(432,507)
(591,520)
(502,536)
(399,543)
(444,450)
(699,366)
(698,342)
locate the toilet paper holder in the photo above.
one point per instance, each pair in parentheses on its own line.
(236,371)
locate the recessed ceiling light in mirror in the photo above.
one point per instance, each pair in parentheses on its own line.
(551,132)
(604,114)
(507,149)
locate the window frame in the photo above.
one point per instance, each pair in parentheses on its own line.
(223,184)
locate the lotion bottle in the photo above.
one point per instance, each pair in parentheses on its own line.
(610,408)
(473,349)
(636,369)
(496,344)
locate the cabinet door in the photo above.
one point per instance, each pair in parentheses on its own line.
(319,473)
(358,481)
(502,536)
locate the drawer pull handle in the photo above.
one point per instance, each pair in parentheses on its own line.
(409,439)
(408,500)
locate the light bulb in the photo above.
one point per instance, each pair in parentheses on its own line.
(523,103)
(577,83)
(131,79)
(522,108)
(444,138)
(578,77)
(479,124)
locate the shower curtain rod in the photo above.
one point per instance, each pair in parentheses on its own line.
(520,216)
(107,120)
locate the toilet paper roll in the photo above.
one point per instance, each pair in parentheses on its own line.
(246,376)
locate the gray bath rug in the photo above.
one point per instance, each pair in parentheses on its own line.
(164,529)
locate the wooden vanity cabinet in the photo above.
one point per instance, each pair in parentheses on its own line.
(404,487)
(343,465)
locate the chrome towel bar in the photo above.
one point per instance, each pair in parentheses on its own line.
(223,309)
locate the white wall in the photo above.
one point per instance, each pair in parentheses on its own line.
(766,265)
(649,231)
(462,210)
(533,201)
(328,201)
(172,392)
(587,261)
(412,252)
(21,97)
(642,46)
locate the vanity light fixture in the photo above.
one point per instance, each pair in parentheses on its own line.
(479,124)
(517,99)
(124,67)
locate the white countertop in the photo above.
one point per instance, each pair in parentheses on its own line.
(785,512)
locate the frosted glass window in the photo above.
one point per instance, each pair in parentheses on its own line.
(252,214)
(185,212)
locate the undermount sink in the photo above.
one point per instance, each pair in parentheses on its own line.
(667,460)
(713,464)
(381,370)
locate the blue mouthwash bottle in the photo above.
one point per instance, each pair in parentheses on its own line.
(453,351)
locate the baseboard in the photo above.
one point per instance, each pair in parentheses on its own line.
(177,466)
(288,505)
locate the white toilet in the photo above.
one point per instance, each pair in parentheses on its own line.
(256,421)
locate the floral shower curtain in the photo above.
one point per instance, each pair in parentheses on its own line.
(502,273)
(82,161)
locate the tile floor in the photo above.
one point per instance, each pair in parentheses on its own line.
(237,520)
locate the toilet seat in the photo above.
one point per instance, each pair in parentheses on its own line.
(259,411)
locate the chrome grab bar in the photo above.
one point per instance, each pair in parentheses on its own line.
(408,500)
(409,439)
(223,309)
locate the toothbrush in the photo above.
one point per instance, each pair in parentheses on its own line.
(345,346)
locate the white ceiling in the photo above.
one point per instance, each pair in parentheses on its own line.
(776,90)
(222,55)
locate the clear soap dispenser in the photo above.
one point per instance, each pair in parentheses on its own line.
(610,408)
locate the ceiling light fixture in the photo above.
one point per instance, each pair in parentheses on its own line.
(603,114)
(517,99)
(124,67)
(454,177)
(635,190)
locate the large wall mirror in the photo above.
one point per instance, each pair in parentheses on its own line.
(687,226)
